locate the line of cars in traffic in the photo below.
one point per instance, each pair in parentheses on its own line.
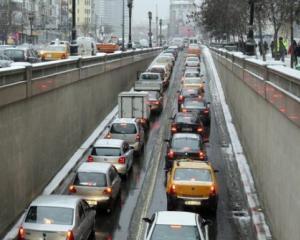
(190,181)
(97,182)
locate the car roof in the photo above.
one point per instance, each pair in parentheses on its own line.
(176,217)
(151,73)
(94,167)
(184,163)
(158,66)
(125,120)
(186,135)
(56,201)
(108,143)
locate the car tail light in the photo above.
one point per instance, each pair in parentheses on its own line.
(206,111)
(212,190)
(108,191)
(21,234)
(70,235)
(108,136)
(63,56)
(201,155)
(72,189)
(138,137)
(90,158)
(172,189)
(173,129)
(199,129)
(156,102)
(122,160)
(184,110)
(171,154)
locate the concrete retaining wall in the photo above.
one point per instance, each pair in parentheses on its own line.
(271,141)
(38,133)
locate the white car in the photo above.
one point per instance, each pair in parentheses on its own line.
(98,183)
(192,62)
(128,129)
(171,225)
(114,151)
(58,217)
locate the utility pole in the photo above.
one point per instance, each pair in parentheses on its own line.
(74,46)
(160,32)
(250,43)
(130,5)
(156,26)
(123,25)
(292,33)
(150,31)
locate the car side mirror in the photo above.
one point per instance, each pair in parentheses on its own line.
(131,148)
(147,220)
(167,140)
(216,171)
(207,223)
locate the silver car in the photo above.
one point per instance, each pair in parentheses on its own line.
(192,62)
(98,183)
(176,226)
(128,129)
(114,151)
(58,217)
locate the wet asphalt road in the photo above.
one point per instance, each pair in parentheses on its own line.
(125,221)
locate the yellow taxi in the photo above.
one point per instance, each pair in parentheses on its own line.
(193,80)
(55,52)
(192,183)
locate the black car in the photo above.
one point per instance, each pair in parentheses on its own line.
(186,93)
(185,145)
(188,123)
(22,54)
(199,106)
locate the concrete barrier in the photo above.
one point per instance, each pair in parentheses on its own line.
(45,117)
(268,121)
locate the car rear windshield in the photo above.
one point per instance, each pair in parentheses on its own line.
(56,48)
(194,104)
(175,232)
(90,179)
(185,144)
(14,54)
(190,92)
(149,77)
(50,215)
(106,151)
(187,118)
(192,74)
(192,81)
(153,95)
(192,59)
(157,70)
(123,128)
(192,174)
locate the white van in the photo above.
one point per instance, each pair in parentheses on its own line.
(86,46)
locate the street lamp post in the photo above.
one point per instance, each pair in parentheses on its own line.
(150,32)
(74,46)
(31,18)
(160,32)
(123,25)
(250,43)
(129,5)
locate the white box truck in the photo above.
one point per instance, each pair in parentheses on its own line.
(134,105)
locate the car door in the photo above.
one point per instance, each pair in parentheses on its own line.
(90,217)
(82,223)
(115,181)
(128,153)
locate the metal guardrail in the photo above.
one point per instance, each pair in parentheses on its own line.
(278,85)
(18,83)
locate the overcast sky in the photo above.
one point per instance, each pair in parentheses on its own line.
(141,8)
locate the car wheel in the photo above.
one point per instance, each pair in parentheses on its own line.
(170,205)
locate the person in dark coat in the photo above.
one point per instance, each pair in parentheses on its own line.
(282,49)
(272,48)
(266,47)
(297,52)
(292,50)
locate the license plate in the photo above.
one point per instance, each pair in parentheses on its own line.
(92,203)
(187,129)
(192,203)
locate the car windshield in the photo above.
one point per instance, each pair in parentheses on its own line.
(146,76)
(106,151)
(192,74)
(153,96)
(50,215)
(192,80)
(175,232)
(185,144)
(192,59)
(123,128)
(56,48)
(90,179)
(192,174)
(194,104)
(14,54)
(186,118)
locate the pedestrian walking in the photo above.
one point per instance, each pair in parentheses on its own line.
(292,51)
(266,47)
(282,49)
(260,48)
(272,45)
(297,53)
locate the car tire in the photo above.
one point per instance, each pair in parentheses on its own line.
(170,205)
